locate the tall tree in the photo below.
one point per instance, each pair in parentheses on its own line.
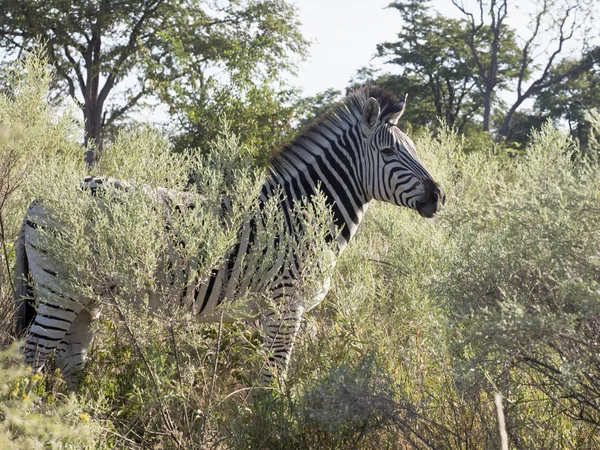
(552,24)
(571,98)
(434,60)
(146,47)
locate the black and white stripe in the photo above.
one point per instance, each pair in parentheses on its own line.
(354,154)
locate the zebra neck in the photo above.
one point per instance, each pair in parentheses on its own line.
(328,164)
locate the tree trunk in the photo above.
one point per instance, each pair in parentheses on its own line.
(505,128)
(487,110)
(92,115)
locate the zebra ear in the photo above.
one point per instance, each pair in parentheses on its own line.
(396,116)
(371,112)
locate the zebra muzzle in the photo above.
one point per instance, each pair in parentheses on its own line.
(433,199)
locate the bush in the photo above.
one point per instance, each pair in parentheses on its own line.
(523,274)
(427,319)
(31,418)
(108,248)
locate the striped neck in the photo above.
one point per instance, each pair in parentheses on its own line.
(326,158)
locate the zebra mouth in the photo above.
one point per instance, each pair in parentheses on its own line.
(432,199)
(427,210)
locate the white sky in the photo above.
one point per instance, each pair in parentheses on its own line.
(345,34)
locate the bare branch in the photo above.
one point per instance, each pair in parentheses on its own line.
(126,52)
(562,39)
(76,68)
(544,80)
(525,59)
(119,112)
(475,29)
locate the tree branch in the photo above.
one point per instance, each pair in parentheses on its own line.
(76,68)
(475,29)
(562,39)
(525,60)
(545,79)
(128,49)
(119,112)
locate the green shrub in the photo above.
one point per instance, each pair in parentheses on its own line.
(426,320)
(523,274)
(30,418)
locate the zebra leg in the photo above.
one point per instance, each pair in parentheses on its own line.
(71,353)
(47,331)
(280,330)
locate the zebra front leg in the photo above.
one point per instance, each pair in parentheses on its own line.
(71,353)
(280,329)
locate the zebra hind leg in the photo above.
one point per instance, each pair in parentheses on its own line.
(71,353)
(42,339)
(280,330)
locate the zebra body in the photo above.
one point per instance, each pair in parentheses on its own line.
(354,154)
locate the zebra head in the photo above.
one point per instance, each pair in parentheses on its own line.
(394,172)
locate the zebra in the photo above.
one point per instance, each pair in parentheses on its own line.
(353,154)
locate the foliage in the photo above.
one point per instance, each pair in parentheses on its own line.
(566,103)
(309,108)
(523,280)
(570,99)
(425,322)
(260,115)
(248,49)
(522,125)
(592,117)
(423,116)
(534,62)
(34,421)
(128,239)
(433,60)
(183,52)
(31,133)
(477,71)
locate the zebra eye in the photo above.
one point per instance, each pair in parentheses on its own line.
(388,151)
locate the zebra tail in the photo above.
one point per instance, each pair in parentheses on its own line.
(24,302)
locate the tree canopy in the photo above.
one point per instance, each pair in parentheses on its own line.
(535,65)
(433,61)
(571,99)
(178,51)
(478,70)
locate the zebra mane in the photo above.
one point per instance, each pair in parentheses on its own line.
(339,116)
(388,102)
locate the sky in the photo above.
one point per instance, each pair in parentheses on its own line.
(344,35)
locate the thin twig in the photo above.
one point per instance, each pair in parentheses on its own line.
(251,388)
(214,379)
(5,254)
(165,416)
(214,375)
(386,263)
(178,363)
(501,422)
